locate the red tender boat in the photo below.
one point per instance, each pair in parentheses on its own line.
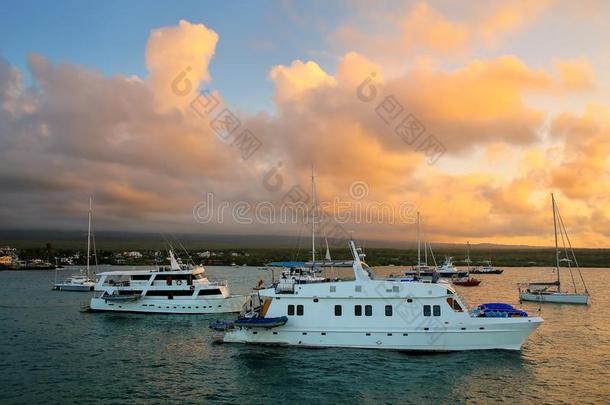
(467,282)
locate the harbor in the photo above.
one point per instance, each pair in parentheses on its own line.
(158,357)
(284,202)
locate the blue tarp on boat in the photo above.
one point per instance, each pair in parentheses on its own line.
(500,310)
(286,264)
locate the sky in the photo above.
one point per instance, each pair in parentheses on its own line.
(207,117)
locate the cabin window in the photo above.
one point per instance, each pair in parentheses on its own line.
(427,310)
(140,277)
(358,288)
(388,310)
(290,309)
(368,310)
(210,291)
(436,310)
(165,293)
(338,310)
(299,310)
(454,304)
(358,310)
(395,288)
(333,288)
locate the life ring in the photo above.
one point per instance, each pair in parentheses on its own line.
(179,282)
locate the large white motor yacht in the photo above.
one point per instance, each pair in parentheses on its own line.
(178,289)
(379,314)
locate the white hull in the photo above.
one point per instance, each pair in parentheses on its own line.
(220,305)
(496,335)
(559,298)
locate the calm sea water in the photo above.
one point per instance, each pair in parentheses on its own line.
(52,353)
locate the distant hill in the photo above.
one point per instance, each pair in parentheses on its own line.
(142,240)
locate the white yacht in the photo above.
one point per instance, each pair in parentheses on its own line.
(487,269)
(179,289)
(377,314)
(551,291)
(447,269)
(82,281)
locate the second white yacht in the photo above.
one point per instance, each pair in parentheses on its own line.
(179,289)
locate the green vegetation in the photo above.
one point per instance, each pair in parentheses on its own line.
(109,252)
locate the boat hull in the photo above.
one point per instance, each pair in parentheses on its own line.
(496,334)
(231,304)
(443,274)
(467,283)
(557,298)
(486,272)
(71,287)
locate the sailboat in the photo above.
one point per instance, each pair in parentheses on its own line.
(303,273)
(81,281)
(422,269)
(551,291)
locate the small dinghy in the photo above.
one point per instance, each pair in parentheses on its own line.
(467,282)
(264,323)
(221,326)
(121,297)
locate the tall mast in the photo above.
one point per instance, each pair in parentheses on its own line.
(313,219)
(418,243)
(89,238)
(468,254)
(556,244)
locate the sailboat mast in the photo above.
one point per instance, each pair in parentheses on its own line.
(556,244)
(313,220)
(89,239)
(418,243)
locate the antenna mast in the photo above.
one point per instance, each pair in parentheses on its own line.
(89,237)
(556,245)
(313,219)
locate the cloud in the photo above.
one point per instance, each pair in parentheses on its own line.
(148,158)
(296,79)
(185,49)
(421,29)
(576,74)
